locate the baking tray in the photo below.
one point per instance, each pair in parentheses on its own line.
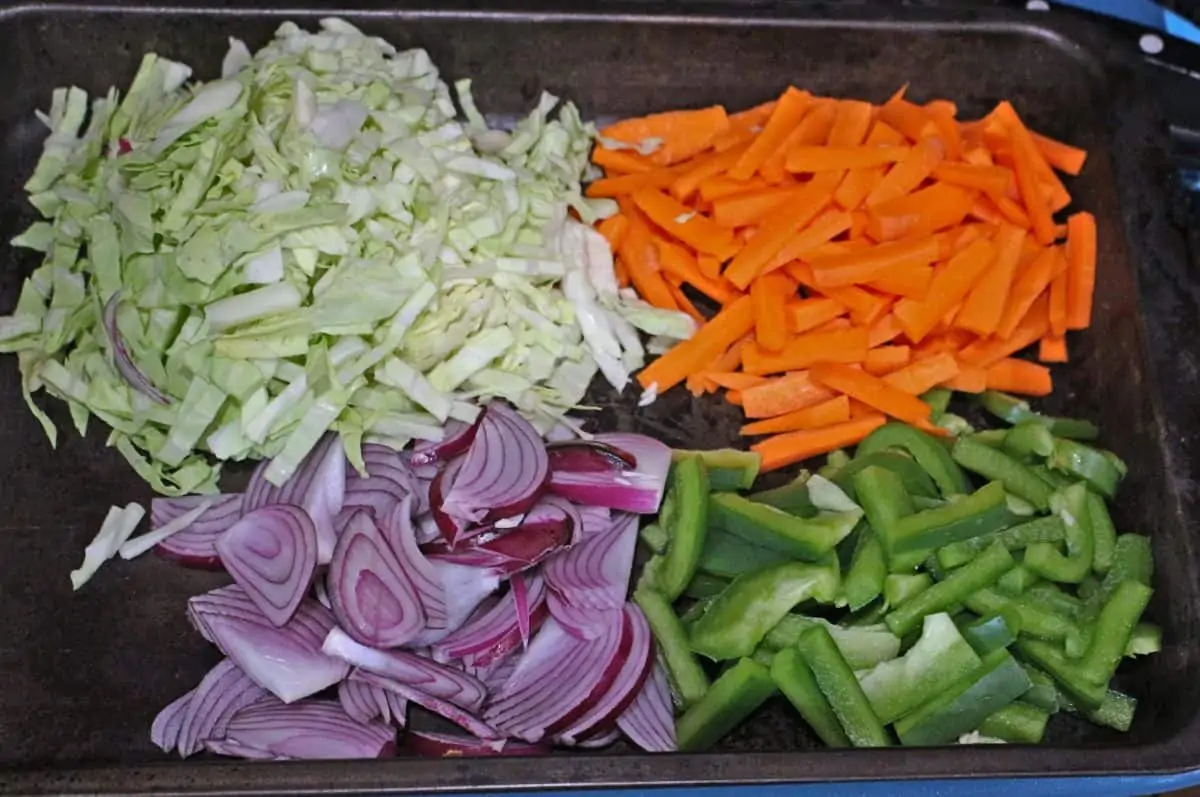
(81,676)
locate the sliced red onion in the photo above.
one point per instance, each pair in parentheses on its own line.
(223,692)
(465,588)
(546,528)
(496,674)
(443,708)
(195,546)
(451,745)
(321,592)
(401,535)
(164,731)
(494,634)
(363,702)
(588,456)
(557,681)
(228,747)
(595,573)
(451,528)
(389,479)
(436,680)
(426,528)
(649,721)
(286,661)
(580,621)
(503,472)
(457,439)
(311,729)
(625,686)
(595,519)
(521,599)
(597,741)
(639,490)
(272,553)
(397,707)
(372,597)
(122,361)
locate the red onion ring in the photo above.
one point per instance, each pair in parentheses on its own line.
(223,692)
(195,546)
(588,456)
(494,634)
(639,490)
(595,573)
(546,528)
(649,721)
(401,535)
(164,731)
(443,708)
(311,729)
(272,553)
(456,439)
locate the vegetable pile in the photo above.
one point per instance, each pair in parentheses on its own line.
(859,256)
(313,242)
(482,578)
(890,590)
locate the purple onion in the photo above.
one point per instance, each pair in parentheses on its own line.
(122,360)
(164,731)
(456,439)
(595,573)
(638,490)
(447,745)
(649,721)
(223,692)
(310,729)
(443,708)
(272,553)
(493,635)
(195,546)
(400,532)
(589,456)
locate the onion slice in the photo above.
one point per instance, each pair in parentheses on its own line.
(120,353)
(272,553)
(164,731)
(452,745)
(494,634)
(363,702)
(432,678)
(223,692)
(195,546)
(311,729)
(595,573)
(547,527)
(638,490)
(401,535)
(588,456)
(388,481)
(649,721)
(443,708)
(598,741)
(456,439)
(232,749)
(372,597)
(579,621)
(465,588)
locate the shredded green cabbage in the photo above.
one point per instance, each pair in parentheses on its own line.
(313,242)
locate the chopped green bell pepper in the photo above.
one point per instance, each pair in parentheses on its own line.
(1100,469)
(733,697)
(682,667)
(684,517)
(993,633)
(698,608)
(992,438)
(704,586)
(978,574)
(840,687)
(1071,676)
(1104,534)
(1029,440)
(1043,529)
(864,580)
(929,453)
(981,512)
(791,498)
(998,466)
(740,617)
(654,537)
(1046,560)
(1115,711)
(901,587)
(1057,600)
(1017,580)
(1133,560)
(916,480)
(938,400)
(1014,411)
(728,556)
(803,538)
(1035,619)
(728,468)
(1043,694)
(795,679)
(1113,630)
(1146,640)
(1017,723)
(862,646)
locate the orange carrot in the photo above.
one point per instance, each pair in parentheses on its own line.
(922,212)
(750,207)
(858,267)
(640,257)
(995,179)
(886,329)
(695,230)
(682,133)
(870,390)
(845,346)
(814,128)
(684,303)
(792,447)
(621,273)
(735,320)
(909,279)
(1030,283)
(789,110)
(783,394)
(677,261)
(719,186)
(1025,156)
(969,379)
(628,183)
(1033,327)
(951,283)
(1053,349)
(904,116)
(887,359)
(822,230)
(685,183)
(620,161)
(851,124)
(710,266)
(859,182)
(923,375)
(613,229)
(827,413)
(865,307)
(808,314)
(732,380)
(1058,304)
(1061,156)
(1081,271)
(906,175)
(828,158)
(985,304)
(1019,376)
(985,210)
(770,296)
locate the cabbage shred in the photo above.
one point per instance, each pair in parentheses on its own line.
(312,242)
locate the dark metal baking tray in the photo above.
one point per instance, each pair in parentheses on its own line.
(82,675)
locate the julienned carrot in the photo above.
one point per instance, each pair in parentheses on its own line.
(872,391)
(969,379)
(684,303)
(807,314)
(822,230)
(1019,376)
(814,128)
(608,187)
(907,174)
(865,307)
(984,306)
(719,186)
(827,413)
(1081,269)
(864,266)
(851,124)
(1029,285)
(677,261)
(734,321)
(792,447)
(886,329)
(950,285)
(640,256)
(996,179)
(1058,304)
(923,375)
(782,395)
(613,229)
(685,182)
(687,225)
(1061,156)
(621,161)
(904,116)
(1053,349)
(789,110)
(887,360)
(731,380)
(829,158)
(750,207)
(770,296)
(1033,327)
(924,211)
(859,182)
(843,346)
(909,280)
(682,133)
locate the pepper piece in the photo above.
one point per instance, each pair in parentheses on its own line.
(733,697)
(916,480)
(728,556)
(1113,630)
(1055,599)
(684,517)
(728,468)
(1104,534)
(862,646)
(683,669)
(864,580)
(1043,694)
(1015,410)
(929,453)
(1017,723)
(1100,469)
(1133,560)
(1014,538)
(938,400)
(901,587)
(1072,678)
(998,466)
(1046,560)
(795,679)
(965,704)
(992,438)
(1029,440)
(704,585)
(1146,640)
(803,538)
(939,657)
(1034,619)
(654,537)
(839,686)
(1115,711)
(1017,580)
(968,579)
(729,629)
(982,512)
(989,634)
(791,498)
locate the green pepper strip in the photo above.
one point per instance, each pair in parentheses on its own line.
(684,670)
(1043,529)
(993,633)
(1133,560)
(1113,630)
(992,438)
(733,697)
(938,400)
(1146,639)
(1029,440)
(1017,723)
(916,480)
(1056,600)
(684,517)
(1035,620)
(841,688)
(791,497)
(654,537)
(970,578)
(997,466)
(795,679)
(1115,711)
(901,587)
(728,556)
(728,468)
(862,647)
(1094,466)
(1046,560)
(981,512)
(1017,580)
(703,586)
(1104,534)
(868,568)
(929,453)
(1043,694)
(1071,676)
(764,525)
(1014,410)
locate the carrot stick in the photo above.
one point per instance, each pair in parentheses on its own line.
(1028,286)
(814,128)
(731,359)
(683,133)
(1010,122)
(943,126)
(719,186)
(851,124)
(1025,156)
(640,256)
(995,179)
(683,184)
(1053,349)
(904,116)
(864,266)
(732,380)
(923,375)
(1032,328)
(710,266)
(985,304)
(808,314)
(792,447)
(909,279)
(985,210)
(884,330)
(678,262)
(613,229)
(620,161)
(845,346)
(827,413)
(951,283)
(872,391)
(1081,270)
(750,207)
(783,394)
(865,307)
(887,359)
(778,227)
(830,158)
(770,295)
(969,379)
(922,212)
(1058,304)
(1019,376)
(789,110)
(1061,156)
(735,320)
(859,182)
(906,175)
(1011,210)
(822,230)
(628,183)
(684,303)
(680,221)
